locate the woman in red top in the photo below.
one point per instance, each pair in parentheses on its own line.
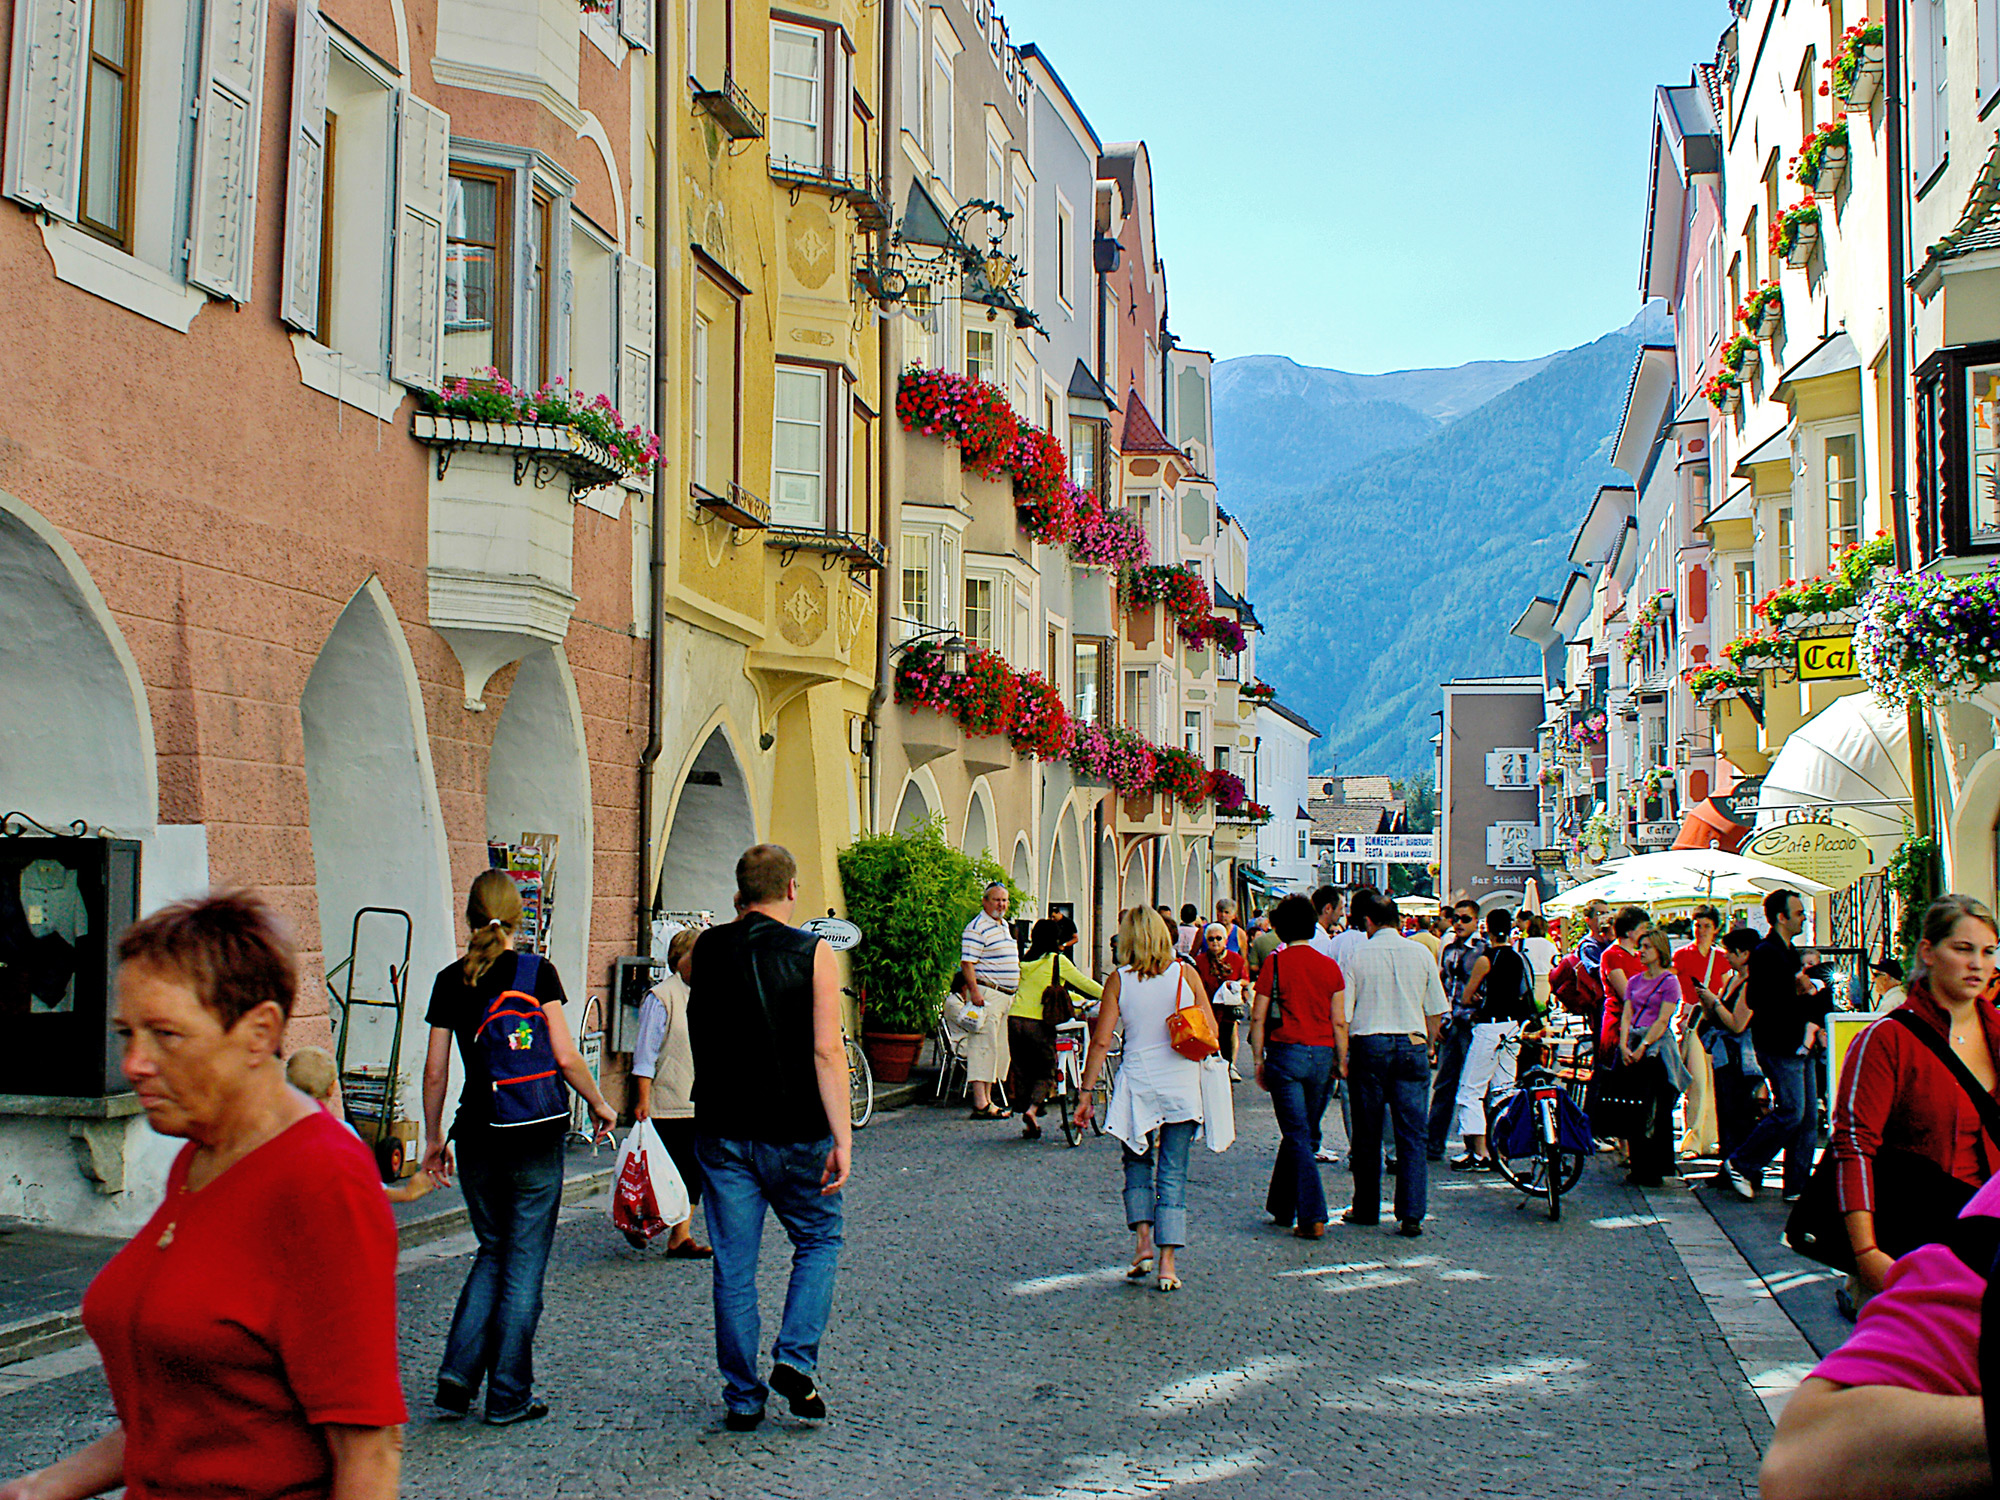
(1301,1008)
(248,1332)
(1223,975)
(1896,1096)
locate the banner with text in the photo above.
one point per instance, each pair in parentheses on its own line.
(1386,848)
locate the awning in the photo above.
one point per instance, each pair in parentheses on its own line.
(1603,523)
(1850,760)
(1739,506)
(1775,449)
(1707,826)
(1834,356)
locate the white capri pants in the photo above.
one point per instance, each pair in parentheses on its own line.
(1482,1061)
(987,1055)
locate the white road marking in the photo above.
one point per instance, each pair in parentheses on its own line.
(1372,1281)
(1066,1282)
(1340,1270)
(1492,1388)
(1221,1385)
(1116,1476)
(1463,1276)
(1626,1221)
(1421,1260)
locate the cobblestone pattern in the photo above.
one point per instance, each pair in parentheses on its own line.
(985,1346)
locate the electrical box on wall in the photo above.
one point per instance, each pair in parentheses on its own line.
(64,903)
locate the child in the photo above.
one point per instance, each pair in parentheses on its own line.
(310,1071)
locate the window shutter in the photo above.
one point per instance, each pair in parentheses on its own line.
(635,323)
(1493,759)
(423,172)
(1493,845)
(635,22)
(222,224)
(305,171)
(45,104)
(840,128)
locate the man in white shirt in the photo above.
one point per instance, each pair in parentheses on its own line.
(1336,940)
(1331,905)
(991,962)
(1396,1004)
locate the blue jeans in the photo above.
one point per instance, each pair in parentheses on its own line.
(1301,1081)
(741,1179)
(1159,1197)
(1393,1073)
(1453,1041)
(512,1196)
(1792,1126)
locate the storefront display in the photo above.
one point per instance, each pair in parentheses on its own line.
(532,863)
(63,904)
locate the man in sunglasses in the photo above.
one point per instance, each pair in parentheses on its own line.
(1455,969)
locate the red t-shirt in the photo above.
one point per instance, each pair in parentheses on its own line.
(247,1315)
(1694,970)
(1307,982)
(1632,966)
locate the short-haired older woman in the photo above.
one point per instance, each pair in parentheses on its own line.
(248,1332)
(663,1086)
(1156,1103)
(1224,975)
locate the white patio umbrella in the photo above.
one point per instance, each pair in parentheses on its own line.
(1685,876)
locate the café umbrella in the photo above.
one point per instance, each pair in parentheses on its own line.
(1684,877)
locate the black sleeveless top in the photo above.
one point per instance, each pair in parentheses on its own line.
(750,1027)
(1501,996)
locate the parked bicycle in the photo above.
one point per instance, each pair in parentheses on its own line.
(860,1084)
(1072,1048)
(1539,1136)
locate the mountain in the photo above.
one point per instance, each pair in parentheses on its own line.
(1380,580)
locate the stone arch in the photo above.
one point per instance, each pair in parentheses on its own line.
(1973,824)
(710,822)
(1023,872)
(376,825)
(979,823)
(1134,887)
(915,806)
(538,781)
(1193,887)
(76,730)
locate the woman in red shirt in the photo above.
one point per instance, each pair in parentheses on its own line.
(1223,975)
(1301,1008)
(1897,1098)
(248,1332)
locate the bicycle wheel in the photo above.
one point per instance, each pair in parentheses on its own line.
(1552,1174)
(1066,1102)
(860,1086)
(1523,1172)
(1101,1095)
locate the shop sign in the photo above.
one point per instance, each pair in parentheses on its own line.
(1831,853)
(1827,656)
(1656,835)
(1550,859)
(839,933)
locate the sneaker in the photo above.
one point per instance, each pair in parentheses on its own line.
(1736,1182)
(1470,1163)
(799,1392)
(1410,1229)
(534,1411)
(1326,1153)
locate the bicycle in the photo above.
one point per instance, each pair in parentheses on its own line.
(1534,1130)
(1072,1050)
(860,1085)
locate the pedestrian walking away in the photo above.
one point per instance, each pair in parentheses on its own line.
(1298,1043)
(504,1011)
(1787,1020)
(1395,1006)
(248,1331)
(1050,983)
(1455,963)
(663,1084)
(1155,1108)
(990,961)
(1501,996)
(772,1128)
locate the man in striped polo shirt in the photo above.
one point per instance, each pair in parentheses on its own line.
(991,962)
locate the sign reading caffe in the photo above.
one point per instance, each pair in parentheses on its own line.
(1826,657)
(1831,853)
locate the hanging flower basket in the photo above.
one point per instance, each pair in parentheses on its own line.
(1110,540)
(1937,639)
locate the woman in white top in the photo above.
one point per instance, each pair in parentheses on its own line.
(1540,953)
(663,1084)
(1158,1091)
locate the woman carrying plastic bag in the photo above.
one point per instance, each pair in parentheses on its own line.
(647,1194)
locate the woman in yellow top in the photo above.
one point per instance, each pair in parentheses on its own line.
(1031,1037)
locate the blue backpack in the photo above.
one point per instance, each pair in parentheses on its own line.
(520,1056)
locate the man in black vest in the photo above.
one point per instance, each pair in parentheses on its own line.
(771,1127)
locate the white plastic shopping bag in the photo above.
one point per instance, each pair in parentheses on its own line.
(963,1016)
(647,1194)
(1218,1104)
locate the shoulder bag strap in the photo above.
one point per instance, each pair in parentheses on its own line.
(1982,1102)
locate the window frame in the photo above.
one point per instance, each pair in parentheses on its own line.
(918,546)
(989,639)
(1104,697)
(733,293)
(1945,473)
(823,43)
(329,167)
(501,322)
(120,236)
(836,446)
(1065,252)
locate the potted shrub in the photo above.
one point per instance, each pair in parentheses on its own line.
(911,895)
(1822,159)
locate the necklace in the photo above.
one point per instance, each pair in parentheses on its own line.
(167,1235)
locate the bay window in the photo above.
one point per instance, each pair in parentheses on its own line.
(798,95)
(798,448)
(1958,451)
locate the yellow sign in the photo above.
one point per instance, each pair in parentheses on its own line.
(1827,656)
(1831,853)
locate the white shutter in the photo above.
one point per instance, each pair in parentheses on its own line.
(423,175)
(45,104)
(222,224)
(635,22)
(1493,846)
(305,172)
(635,337)
(1493,767)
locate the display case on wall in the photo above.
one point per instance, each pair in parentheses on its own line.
(64,903)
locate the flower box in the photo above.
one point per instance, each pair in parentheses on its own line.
(1826,178)
(1769,316)
(1820,622)
(1748,360)
(989,755)
(1866,79)
(929,735)
(1798,249)
(541,450)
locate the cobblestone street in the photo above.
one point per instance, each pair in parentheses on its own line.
(984,1345)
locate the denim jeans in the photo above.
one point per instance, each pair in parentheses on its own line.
(1159,1197)
(512,1196)
(742,1178)
(1735,1099)
(1453,1042)
(1394,1073)
(1301,1081)
(1792,1126)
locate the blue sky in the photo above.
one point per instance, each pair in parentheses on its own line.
(1374,187)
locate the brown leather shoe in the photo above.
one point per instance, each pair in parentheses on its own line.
(1311,1231)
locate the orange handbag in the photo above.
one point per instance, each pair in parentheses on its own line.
(1190,1030)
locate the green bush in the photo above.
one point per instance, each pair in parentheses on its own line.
(911,895)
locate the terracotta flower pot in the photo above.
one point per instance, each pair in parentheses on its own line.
(891,1054)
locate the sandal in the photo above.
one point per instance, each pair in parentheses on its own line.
(689,1250)
(1141,1269)
(1170,1283)
(988,1113)
(1031,1128)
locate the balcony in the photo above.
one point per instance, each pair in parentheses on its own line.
(739,507)
(803,178)
(862,554)
(731,109)
(539,450)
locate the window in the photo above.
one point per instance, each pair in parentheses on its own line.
(798,74)
(1305,833)
(698,402)
(539,335)
(1787,545)
(1982,409)
(715,449)
(1510,846)
(1510,770)
(1221,757)
(917,595)
(1139,702)
(996,173)
(978,623)
(1021,240)
(1989,49)
(798,448)
(711,42)
(1746,597)
(941,112)
(1930,110)
(348,290)
(1843,493)
(1191,735)
(1065,252)
(1052,663)
(982,354)
(1807,85)
(1087,455)
(910,63)
(330,167)
(110,118)
(475,271)
(1093,682)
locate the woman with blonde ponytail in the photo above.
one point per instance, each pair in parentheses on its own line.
(504,1010)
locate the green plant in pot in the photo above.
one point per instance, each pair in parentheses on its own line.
(911,895)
